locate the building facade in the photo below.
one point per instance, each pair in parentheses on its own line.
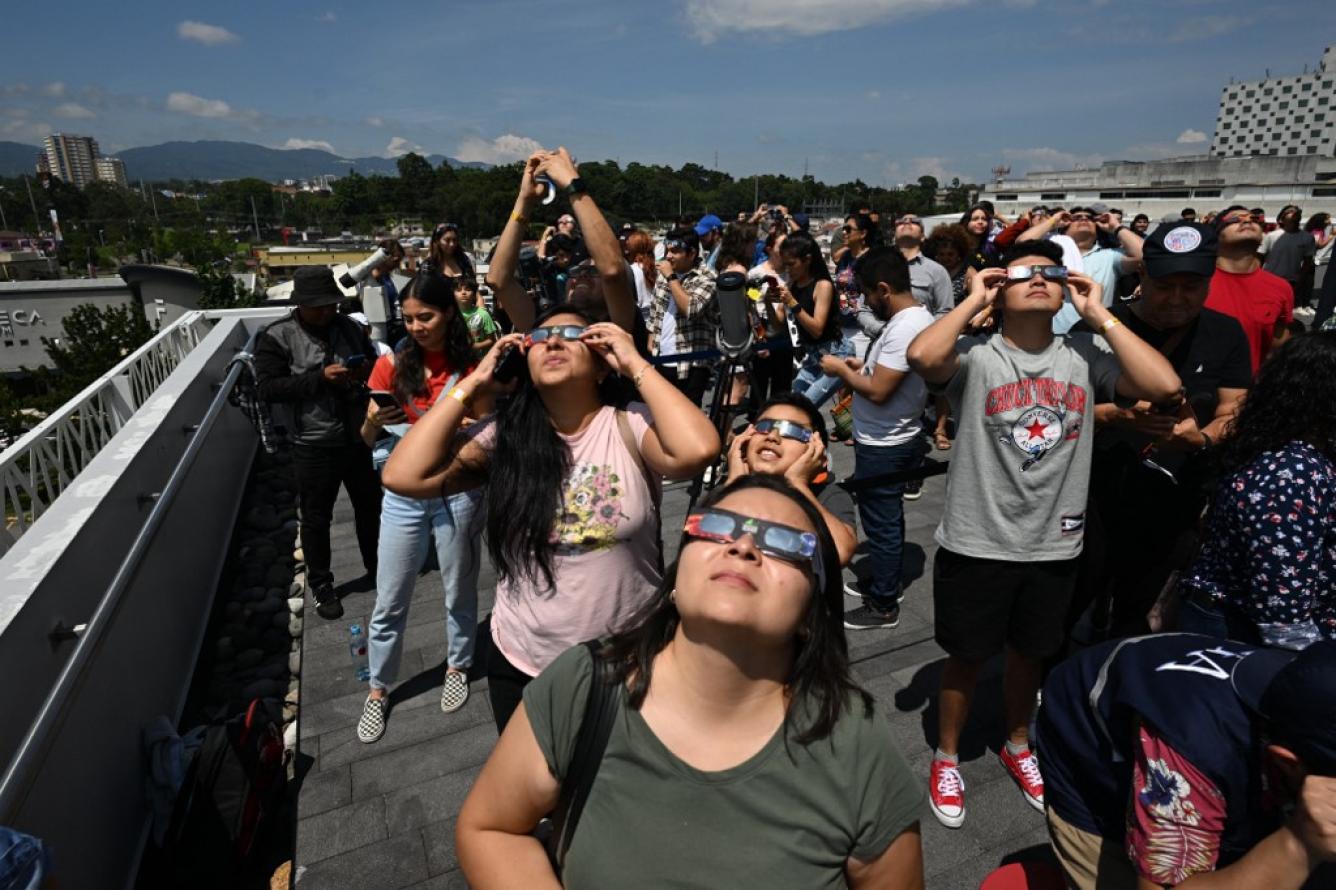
(72,158)
(111,170)
(1279,116)
(1157,188)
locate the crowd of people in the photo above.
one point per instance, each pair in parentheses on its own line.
(1140,519)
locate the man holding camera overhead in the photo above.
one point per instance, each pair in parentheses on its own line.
(312,367)
(684,316)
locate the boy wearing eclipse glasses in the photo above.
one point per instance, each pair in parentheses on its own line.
(1012,527)
(789,439)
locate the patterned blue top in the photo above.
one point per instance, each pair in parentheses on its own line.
(1270,541)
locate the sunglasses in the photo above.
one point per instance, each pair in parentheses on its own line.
(562,332)
(674,244)
(1082,217)
(787,429)
(1239,218)
(909,221)
(1025,273)
(850,228)
(443,228)
(780,541)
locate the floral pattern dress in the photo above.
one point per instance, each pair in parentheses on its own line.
(1270,544)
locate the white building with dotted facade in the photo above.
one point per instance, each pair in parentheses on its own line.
(1279,116)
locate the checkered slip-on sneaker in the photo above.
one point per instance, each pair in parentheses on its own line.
(371,726)
(455,692)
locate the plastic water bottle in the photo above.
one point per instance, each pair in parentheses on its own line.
(357,649)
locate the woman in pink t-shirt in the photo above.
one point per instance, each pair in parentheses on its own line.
(572,487)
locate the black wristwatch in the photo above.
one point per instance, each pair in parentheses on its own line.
(576,187)
(676,276)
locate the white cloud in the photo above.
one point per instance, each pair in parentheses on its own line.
(321,144)
(873,94)
(327,16)
(72,110)
(21,129)
(1191,137)
(55,89)
(711,19)
(374,121)
(209,35)
(401,146)
(501,150)
(198,106)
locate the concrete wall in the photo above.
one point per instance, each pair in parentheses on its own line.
(88,798)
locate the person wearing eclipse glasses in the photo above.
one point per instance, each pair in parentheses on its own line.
(789,439)
(1013,523)
(739,750)
(572,485)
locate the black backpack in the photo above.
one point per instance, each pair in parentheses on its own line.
(237,778)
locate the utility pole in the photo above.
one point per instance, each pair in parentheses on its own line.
(3,224)
(37,220)
(255,220)
(716,159)
(153,199)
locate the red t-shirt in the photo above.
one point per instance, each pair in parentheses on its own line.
(1259,300)
(439,372)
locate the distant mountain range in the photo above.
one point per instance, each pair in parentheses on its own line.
(225,160)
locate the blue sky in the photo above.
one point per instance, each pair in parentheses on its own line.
(884,90)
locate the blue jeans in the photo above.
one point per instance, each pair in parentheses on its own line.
(882,511)
(407,526)
(811,381)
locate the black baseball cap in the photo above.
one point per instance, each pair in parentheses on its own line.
(1182,247)
(1295,695)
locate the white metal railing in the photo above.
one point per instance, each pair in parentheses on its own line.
(40,465)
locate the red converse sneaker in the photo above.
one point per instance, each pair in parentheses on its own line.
(1024,768)
(946,793)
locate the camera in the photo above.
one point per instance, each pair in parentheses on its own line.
(538,279)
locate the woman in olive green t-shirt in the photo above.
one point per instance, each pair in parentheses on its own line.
(742,753)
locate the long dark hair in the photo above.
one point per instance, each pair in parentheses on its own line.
(819,681)
(437,291)
(1294,398)
(871,232)
(801,244)
(738,245)
(436,253)
(527,478)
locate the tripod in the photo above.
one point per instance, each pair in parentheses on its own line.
(721,414)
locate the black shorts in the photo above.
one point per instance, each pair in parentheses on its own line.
(981,605)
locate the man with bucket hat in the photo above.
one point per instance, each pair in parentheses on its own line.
(1183,760)
(312,367)
(1148,472)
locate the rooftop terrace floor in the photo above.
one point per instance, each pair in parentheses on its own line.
(383,815)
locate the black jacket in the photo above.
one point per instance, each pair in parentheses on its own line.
(289,363)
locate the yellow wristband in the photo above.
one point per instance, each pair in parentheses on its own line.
(460,396)
(1109,325)
(516,216)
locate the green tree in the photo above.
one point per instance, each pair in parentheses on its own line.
(95,340)
(219,290)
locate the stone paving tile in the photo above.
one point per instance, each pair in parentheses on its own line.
(383,772)
(405,728)
(439,838)
(450,881)
(396,862)
(338,831)
(427,802)
(323,790)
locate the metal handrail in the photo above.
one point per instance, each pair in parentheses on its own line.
(22,771)
(36,469)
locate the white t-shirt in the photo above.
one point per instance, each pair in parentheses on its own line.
(644,293)
(1071,254)
(897,420)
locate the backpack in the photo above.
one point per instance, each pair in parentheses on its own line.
(238,777)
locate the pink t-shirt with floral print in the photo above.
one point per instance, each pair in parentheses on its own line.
(606,562)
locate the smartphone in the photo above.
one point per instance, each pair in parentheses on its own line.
(509,367)
(353,361)
(383,399)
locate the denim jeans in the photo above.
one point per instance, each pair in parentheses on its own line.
(811,380)
(407,526)
(882,511)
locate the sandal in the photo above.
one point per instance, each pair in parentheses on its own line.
(941,440)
